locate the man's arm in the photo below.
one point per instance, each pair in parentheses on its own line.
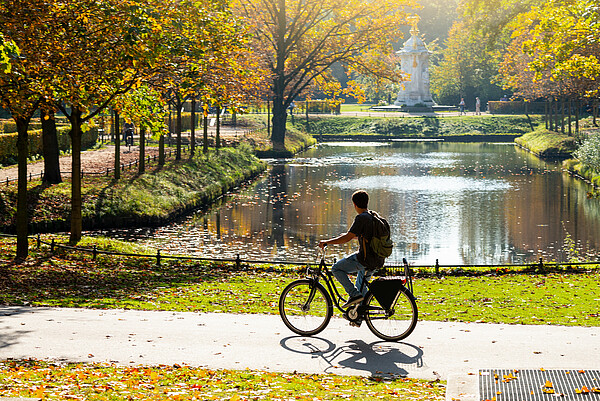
(342,239)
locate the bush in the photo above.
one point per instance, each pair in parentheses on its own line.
(516,107)
(589,153)
(8,143)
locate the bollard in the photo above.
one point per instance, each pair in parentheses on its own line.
(158,257)
(541,264)
(52,246)
(437,268)
(39,241)
(238,261)
(94,252)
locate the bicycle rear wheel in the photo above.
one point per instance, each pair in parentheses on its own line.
(305,308)
(393,324)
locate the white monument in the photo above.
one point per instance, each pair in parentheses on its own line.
(414,61)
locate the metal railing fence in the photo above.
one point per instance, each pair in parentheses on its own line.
(438,269)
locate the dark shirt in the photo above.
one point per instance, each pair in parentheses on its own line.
(362,227)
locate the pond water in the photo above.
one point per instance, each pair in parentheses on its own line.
(459,203)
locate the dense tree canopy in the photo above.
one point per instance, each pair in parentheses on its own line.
(79,56)
(556,51)
(533,48)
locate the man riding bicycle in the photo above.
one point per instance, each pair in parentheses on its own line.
(363,262)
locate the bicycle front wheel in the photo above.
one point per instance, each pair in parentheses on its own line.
(395,323)
(305,308)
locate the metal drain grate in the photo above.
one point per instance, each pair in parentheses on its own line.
(539,385)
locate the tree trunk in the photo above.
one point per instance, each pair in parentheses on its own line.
(117,147)
(562,115)
(142,164)
(161,150)
(556,116)
(193,128)
(22,217)
(112,126)
(550,118)
(50,148)
(178,104)
(218,130)
(569,111)
(307,121)
(76,201)
(279,121)
(268,118)
(577,111)
(205,132)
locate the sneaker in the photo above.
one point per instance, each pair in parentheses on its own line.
(356,323)
(353,301)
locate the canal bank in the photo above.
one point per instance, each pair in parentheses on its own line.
(154,198)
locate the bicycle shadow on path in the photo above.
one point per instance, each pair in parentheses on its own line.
(379,359)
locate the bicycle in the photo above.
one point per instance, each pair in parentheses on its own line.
(389,307)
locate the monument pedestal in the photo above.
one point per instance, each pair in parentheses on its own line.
(414,61)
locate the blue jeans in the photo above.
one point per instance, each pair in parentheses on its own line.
(350,265)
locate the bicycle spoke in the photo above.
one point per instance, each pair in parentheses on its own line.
(395,324)
(304,309)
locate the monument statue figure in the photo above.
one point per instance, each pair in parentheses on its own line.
(414,61)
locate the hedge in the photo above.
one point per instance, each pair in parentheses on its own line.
(516,107)
(10,126)
(8,143)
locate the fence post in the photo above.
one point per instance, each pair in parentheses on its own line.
(437,268)
(52,246)
(158,257)
(39,241)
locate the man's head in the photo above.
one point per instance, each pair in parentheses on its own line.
(361,199)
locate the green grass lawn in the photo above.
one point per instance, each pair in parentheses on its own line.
(50,381)
(355,107)
(75,280)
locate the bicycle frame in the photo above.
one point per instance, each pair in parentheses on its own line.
(322,272)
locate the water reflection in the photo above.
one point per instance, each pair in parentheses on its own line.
(458,203)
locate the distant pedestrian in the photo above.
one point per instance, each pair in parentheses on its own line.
(462,106)
(477,106)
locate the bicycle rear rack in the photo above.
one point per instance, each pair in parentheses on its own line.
(408,275)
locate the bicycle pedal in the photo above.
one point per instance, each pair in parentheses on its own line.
(356,323)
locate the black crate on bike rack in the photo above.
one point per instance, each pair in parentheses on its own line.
(387,289)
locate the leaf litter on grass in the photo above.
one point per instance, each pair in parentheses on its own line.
(54,381)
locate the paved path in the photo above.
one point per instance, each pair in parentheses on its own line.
(264,343)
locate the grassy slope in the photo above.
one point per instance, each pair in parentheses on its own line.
(546,143)
(151,197)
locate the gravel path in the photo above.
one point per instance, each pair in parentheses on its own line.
(92,161)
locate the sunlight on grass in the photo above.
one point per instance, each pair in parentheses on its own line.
(51,381)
